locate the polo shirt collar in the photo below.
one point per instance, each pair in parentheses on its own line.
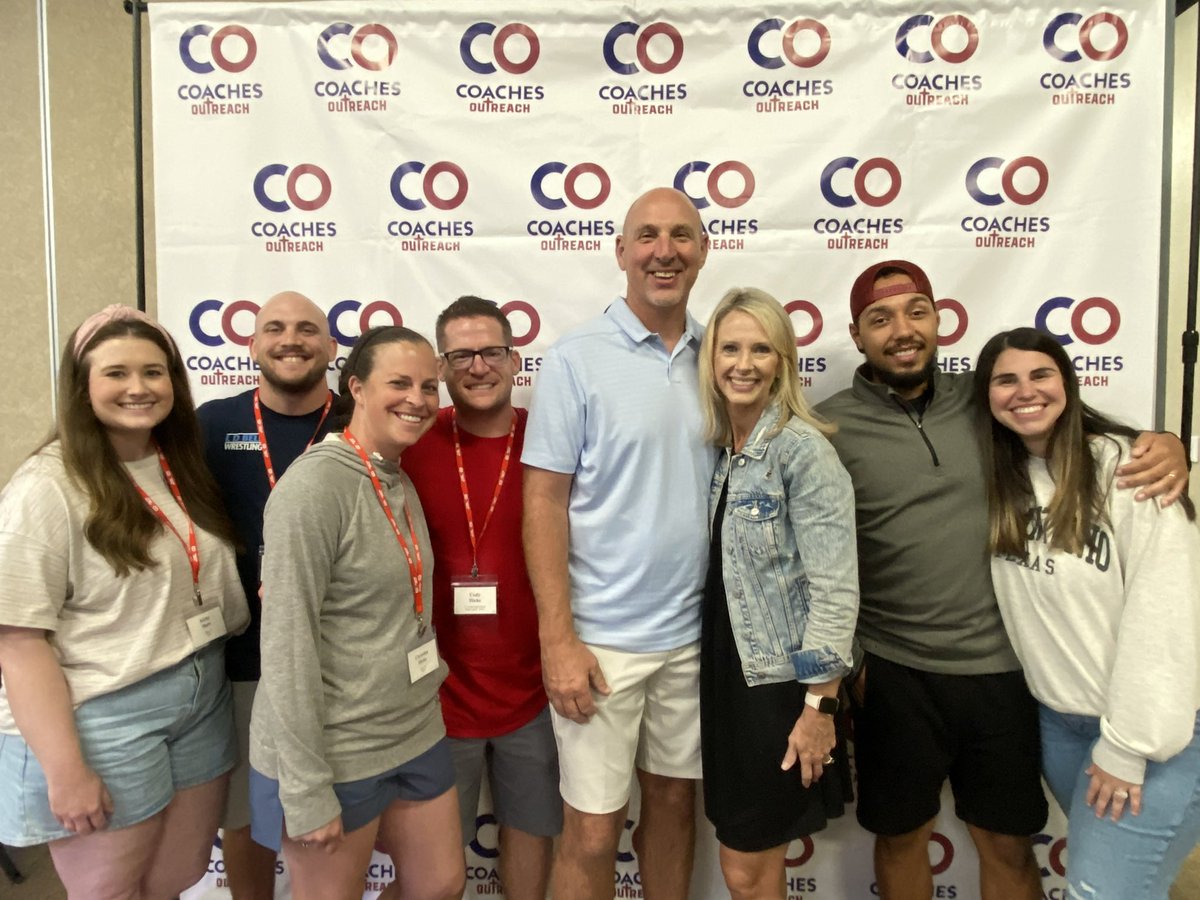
(636,331)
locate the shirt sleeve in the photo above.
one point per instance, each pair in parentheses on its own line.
(301,529)
(1155,681)
(35,527)
(554,436)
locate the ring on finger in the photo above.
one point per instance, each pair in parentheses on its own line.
(1121,794)
(828,760)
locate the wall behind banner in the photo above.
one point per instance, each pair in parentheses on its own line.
(88,63)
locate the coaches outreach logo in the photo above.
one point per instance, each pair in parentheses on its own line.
(951,40)
(728,185)
(952,327)
(557,186)
(418,187)
(993,181)
(512,49)
(774,44)
(1072,38)
(1094,321)
(282,189)
(845,183)
(224,52)
(356,51)
(633,49)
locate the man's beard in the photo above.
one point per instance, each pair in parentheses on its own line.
(302,386)
(906,381)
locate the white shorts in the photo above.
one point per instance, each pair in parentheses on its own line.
(651,720)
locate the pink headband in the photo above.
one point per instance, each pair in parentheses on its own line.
(114,312)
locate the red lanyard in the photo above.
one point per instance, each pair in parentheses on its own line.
(189,546)
(416,570)
(262,434)
(462,480)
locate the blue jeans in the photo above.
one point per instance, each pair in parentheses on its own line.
(1136,857)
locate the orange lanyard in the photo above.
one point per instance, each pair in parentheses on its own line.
(462,480)
(416,569)
(262,434)
(190,545)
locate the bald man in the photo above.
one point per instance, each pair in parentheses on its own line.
(616,543)
(249,441)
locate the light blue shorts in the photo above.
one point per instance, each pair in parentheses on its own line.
(168,732)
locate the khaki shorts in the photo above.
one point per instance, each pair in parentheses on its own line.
(651,720)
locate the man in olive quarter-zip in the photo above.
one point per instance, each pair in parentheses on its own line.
(939,692)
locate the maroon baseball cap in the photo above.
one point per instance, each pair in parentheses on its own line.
(864,293)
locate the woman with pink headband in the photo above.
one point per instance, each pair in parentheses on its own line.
(117,588)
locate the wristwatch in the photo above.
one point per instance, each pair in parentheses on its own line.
(827,705)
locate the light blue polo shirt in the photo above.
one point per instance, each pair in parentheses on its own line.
(613,408)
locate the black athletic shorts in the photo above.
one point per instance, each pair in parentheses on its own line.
(915,729)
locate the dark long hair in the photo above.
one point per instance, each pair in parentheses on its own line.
(118,524)
(361,361)
(1079,498)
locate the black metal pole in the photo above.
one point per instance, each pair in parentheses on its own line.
(135,10)
(1190,338)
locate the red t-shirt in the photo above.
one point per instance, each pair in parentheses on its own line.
(495,683)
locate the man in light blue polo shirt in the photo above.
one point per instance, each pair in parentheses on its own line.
(616,543)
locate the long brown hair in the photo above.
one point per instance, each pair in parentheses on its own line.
(118,524)
(1079,502)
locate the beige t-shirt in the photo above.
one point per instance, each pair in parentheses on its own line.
(107,632)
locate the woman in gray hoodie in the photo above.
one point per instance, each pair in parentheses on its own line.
(346,742)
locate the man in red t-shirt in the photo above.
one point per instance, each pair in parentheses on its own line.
(467,471)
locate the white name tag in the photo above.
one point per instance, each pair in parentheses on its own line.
(474,596)
(206,626)
(422,661)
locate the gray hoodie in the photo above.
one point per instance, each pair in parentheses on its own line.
(336,702)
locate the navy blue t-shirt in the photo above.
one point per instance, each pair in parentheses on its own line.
(235,458)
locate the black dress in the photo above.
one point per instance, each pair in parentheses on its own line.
(754,804)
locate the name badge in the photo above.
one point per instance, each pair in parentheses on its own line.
(475,596)
(422,660)
(206,626)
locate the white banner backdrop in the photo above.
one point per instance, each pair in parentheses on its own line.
(385,160)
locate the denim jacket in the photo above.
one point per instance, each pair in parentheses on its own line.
(788,553)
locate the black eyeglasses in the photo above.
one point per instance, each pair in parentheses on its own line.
(464,359)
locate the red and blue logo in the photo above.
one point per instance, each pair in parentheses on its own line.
(713,191)
(865,184)
(1022,181)
(804,43)
(516,61)
(1078,329)
(431,178)
(372,46)
(222,53)
(616,49)
(922,28)
(310,194)
(1055,39)
(594,195)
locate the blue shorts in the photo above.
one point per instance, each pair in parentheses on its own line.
(168,732)
(426,776)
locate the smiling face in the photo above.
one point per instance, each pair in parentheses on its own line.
(745,366)
(482,387)
(129,390)
(1027,395)
(898,336)
(291,343)
(398,401)
(661,250)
